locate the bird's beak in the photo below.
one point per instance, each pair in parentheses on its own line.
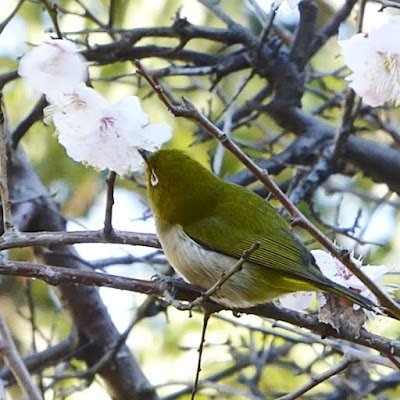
(145,154)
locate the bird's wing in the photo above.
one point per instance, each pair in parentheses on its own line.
(279,248)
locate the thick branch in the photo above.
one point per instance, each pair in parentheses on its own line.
(122,375)
(43,238)
(184,292)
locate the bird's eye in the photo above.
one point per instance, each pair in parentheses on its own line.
(153,178)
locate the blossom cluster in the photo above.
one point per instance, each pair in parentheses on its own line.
(374,58)
(92,130)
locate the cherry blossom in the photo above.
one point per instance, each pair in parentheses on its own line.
(54,66)
(76,111)
(105,135)
(92,130)
(297,301)
(374,59)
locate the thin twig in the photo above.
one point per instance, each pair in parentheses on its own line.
(32,314)
(220,151)
(206,318)
(218,12)
(341,346)
(11,16)
(52,355)
(35,115)
(52,10)
(16,364)
(200,300)
(111,13)
(109,206)
(114,348)
(224,278)
(387,3)
(269,24)
(360,16)
(345,127)
(318,379)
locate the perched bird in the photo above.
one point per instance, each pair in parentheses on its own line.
(205,224)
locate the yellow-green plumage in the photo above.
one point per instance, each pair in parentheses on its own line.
(205,225)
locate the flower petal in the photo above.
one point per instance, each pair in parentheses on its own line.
(297,301)
(155,135)
(53,66)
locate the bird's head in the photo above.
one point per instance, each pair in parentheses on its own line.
(179,188)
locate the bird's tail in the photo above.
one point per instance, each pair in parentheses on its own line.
(352,296)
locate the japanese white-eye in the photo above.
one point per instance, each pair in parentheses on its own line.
(205,224)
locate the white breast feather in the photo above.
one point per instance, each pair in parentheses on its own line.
(204,267)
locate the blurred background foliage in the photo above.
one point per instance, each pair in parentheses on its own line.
(166,344)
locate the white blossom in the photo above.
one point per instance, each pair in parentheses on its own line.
(105,135)
(297,301)
(93,131)
(76,111)
(54,66)
(374,59)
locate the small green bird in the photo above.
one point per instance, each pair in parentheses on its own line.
(205,224)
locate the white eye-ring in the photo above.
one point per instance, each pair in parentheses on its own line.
(153,179)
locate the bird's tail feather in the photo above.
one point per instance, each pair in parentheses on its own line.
(352,296)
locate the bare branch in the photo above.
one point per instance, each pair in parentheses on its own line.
(44,238)
(15,362)
(318,379)
(5,199)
